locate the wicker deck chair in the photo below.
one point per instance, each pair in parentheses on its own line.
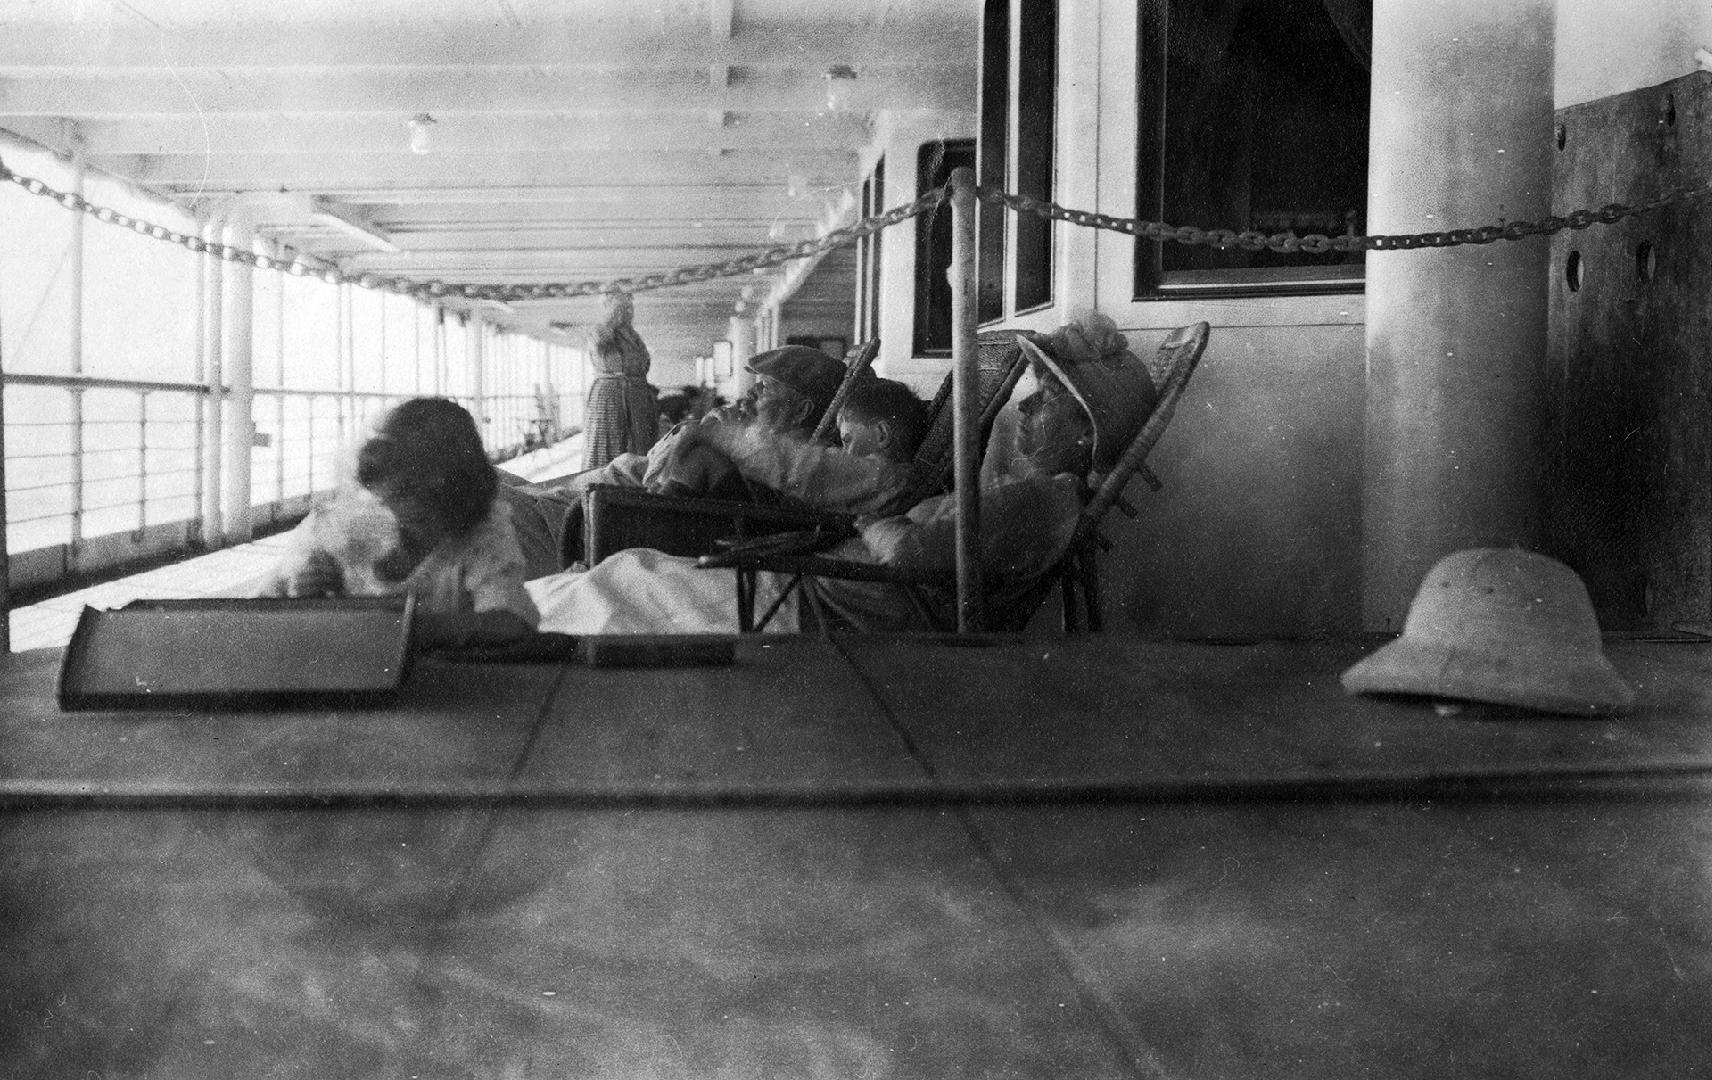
(1076,574)
(615,518)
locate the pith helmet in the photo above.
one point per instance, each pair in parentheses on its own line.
(1504,626)
(1111,383)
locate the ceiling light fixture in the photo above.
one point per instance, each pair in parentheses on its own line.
(840,81)
(421,133)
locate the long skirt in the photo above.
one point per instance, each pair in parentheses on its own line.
(623,417)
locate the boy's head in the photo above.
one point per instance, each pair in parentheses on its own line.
(427,463)
(881,417)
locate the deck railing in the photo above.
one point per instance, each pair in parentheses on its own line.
(105,472)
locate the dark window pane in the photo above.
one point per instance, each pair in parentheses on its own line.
(934,165)
(868,258)
(994,147)
(1253,117)
(1037,94)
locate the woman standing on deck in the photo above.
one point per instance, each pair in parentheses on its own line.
(623,408)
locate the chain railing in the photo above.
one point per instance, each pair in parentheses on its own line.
(297,265)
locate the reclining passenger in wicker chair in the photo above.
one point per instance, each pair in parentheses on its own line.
(761,452)
(1076,411)
(1087,399)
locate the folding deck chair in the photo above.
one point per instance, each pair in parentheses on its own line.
(1076,574)
(615,518)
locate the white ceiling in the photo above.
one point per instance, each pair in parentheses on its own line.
(579,140)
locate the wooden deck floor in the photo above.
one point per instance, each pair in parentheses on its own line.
(864,858)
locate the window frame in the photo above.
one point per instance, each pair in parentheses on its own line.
(933,246)
(1034,154)
(1150,281)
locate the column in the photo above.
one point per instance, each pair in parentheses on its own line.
(1461,128)
(742,334)
(238,348)
(213,377)
(473,372)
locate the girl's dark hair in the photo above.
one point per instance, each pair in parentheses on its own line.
(428,449)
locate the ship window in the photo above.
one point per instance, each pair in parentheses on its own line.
(934,165)
(1253,116)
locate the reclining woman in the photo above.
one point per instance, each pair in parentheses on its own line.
(1085,398)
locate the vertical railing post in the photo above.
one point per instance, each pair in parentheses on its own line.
(199,409)
(965,423)
(309,439)
(74,345)
(474,382)
(142,464)
(347,403)
(437,342)
(5,543)
(278,382)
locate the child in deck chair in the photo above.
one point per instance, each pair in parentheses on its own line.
(422,518)
(882,418)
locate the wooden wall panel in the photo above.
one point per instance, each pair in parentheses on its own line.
(1630,457)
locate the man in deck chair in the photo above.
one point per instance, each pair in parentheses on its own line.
(1084,399)
(758,451)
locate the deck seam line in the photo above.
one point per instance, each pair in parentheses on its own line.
(493,808)
(1131,1048)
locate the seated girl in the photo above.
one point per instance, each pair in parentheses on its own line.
(423,517)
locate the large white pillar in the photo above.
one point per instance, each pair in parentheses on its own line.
(214,378)
(474,370)
(1456,337)
(238,345)
(742,334)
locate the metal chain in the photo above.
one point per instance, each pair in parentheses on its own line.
(1222,239)
(1315,243)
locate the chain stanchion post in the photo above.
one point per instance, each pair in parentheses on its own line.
(965,424)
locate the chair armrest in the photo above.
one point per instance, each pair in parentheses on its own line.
(821,566)
(616,517)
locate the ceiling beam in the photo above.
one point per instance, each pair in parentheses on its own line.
(711,202)
(354,224)
(408,177)
(453,91)
(627,259)
(232,45)
(776,134)
(668,235)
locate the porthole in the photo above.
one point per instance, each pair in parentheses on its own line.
(1572,271)
(1646,261)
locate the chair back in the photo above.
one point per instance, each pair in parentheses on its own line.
(1171,368)
(857,362)
(999,364)
(1078,571)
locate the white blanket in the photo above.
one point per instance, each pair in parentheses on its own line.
(643,591)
